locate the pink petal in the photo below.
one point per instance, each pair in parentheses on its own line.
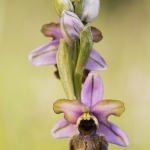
(105,108)
(45,54)
(92,90)
(71,108)
(114,134)
(52,30)
(96,62)
(97,34)
(64,129)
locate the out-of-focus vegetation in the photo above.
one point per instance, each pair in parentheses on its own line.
(27,93)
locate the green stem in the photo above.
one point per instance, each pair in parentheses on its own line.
(78,85)
(76,53)
(77,76)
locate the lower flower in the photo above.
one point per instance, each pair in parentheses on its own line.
(88,118)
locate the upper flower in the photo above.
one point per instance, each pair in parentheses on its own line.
(91,108)
(46,54)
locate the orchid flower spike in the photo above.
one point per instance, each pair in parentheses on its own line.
(90,115)
(46,54)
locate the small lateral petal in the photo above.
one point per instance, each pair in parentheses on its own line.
(96,62)
(72,109)
(103,109)
(64,129)
(45,54)
(92,90)
(52,30)
(97,34)
(114,134)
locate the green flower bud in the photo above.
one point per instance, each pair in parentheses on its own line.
(71,26)
(61,5)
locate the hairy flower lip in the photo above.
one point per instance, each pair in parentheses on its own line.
(87,126)
(87,116)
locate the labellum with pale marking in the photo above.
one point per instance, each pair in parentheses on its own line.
(88,139)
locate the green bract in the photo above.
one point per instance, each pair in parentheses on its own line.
(86,44)
(78,7)
(65,67)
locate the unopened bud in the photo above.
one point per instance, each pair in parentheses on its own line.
(71,26)
(90,10)
(61,5)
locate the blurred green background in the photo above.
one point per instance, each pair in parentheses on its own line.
(27,93)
